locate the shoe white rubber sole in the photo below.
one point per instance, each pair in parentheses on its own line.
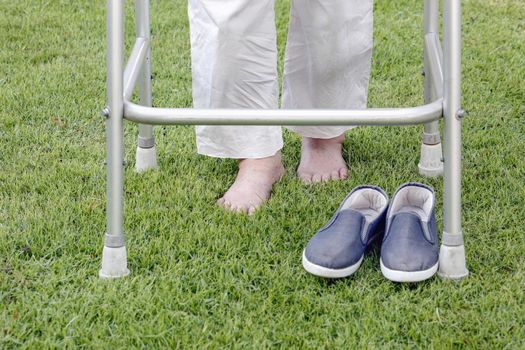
(326,272)
(407,276)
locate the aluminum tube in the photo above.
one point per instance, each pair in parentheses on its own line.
(452,124)
(135,62)
(431,26)
(434,58)
(144,80)
(432,128)
(371,116)
(114,129)
(142,18)
(431,16)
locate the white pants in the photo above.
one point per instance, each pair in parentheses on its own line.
(234,65)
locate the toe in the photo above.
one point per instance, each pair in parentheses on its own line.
(239,208)
(325,177)
(343,173)
(316,178)
(306,178)
(220,201)
(334,175)
(251,210)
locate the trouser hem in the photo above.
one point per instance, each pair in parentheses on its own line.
(262,152)
(319,134)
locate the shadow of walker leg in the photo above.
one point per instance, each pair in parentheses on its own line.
(114,259)
(452,262)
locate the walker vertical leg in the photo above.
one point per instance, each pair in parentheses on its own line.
(430,161)
(452,254)
(114,258)
(146,153)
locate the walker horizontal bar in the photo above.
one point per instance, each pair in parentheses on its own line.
(371,116)
(435,59)
(136,59)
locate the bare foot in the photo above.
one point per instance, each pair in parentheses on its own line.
(322,160)
(253,184)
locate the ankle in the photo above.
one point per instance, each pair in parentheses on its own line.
(267,162)
(315,142)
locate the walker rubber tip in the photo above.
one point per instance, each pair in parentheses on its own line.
(430,162)
(452,263)
(114,263)
(146,159)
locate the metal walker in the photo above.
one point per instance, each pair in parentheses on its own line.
(442,99)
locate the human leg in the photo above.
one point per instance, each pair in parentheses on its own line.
(327,65)
(234,65)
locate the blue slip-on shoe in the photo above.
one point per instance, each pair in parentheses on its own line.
(337,249)
(409,252)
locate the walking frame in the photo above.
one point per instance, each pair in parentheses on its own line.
(442,99)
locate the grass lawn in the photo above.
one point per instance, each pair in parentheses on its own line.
(204,278)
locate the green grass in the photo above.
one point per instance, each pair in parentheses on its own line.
(203,278)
